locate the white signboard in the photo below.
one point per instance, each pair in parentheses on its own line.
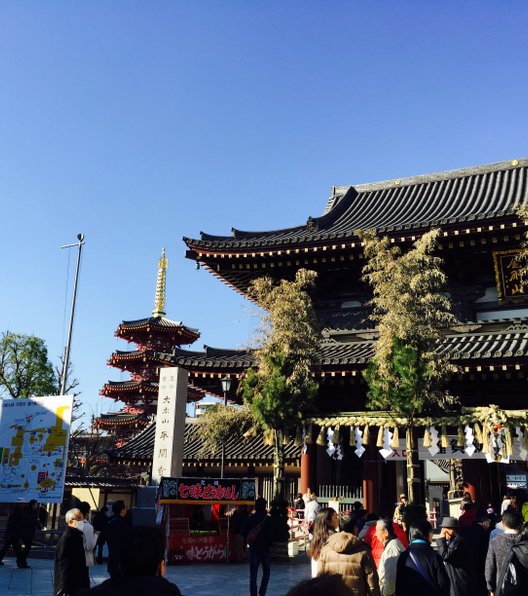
(170,424)
(34,434)
(452,451)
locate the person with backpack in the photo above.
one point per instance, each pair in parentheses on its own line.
(513,577)
(259,536)
(420,569)
(500,547)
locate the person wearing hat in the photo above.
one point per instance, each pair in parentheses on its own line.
(401,505)
(453,550)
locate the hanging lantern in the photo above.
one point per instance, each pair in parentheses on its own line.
(443,437)
(427,437)
(268,437)
(461,439)
(478,433)
(321,437)
(366,435)
(380,440)
(395,443)
(308,436)
(298,437)
(335,436)
(285,438)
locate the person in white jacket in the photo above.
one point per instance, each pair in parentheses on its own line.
(89,535)
(392,548)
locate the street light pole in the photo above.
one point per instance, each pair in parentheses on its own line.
(66,360)
(226,386)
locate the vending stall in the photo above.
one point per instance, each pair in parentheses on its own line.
(196,514)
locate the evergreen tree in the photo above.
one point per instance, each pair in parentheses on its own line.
(407,373)
(281,385)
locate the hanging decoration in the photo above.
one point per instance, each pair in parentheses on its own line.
(387,449)
(470,439)
(427,437)
(321,437)
(308,435)
(332,450)
(360,450)
(434,449)
(305,438)
(443,437)
(395,442)
(298,437)
(461,439)
(499,434)
(379,440)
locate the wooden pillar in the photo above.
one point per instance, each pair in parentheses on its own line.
(371,479)
(305,481)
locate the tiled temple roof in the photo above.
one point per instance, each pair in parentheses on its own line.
(445,199)
(157,327)
(252,450)
(118,418)
(481,343)
(123,390)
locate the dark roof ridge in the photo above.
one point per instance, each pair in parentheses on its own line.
(438,176)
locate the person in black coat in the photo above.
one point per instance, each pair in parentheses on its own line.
(142,562)
(29,523)
(476,537)
(420,569)
(12,535)
(100,522)
(116,532)
(453,550)
(260,549)
(71,573)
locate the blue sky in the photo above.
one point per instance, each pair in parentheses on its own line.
(138,123)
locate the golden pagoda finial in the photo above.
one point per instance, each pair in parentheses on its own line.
(159,301)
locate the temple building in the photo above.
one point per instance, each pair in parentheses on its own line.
(482,233)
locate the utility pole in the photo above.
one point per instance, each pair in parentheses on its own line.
(66,359)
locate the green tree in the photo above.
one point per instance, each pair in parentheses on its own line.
(281,385)
(25,369)
(218,424)
(412,312)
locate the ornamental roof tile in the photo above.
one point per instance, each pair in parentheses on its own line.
(160,325)
(251,450)
(418,203)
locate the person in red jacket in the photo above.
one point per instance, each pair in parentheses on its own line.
(377,547)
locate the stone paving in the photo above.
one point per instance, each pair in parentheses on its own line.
(193,580)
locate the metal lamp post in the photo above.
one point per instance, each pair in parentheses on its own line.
(226,386)
(66,360)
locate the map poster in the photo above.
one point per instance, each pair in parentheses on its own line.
(34,434)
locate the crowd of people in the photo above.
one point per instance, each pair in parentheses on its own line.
(362,554)
(471,556)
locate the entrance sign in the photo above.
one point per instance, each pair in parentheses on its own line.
(34,434)
(452,451)
(170,423)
